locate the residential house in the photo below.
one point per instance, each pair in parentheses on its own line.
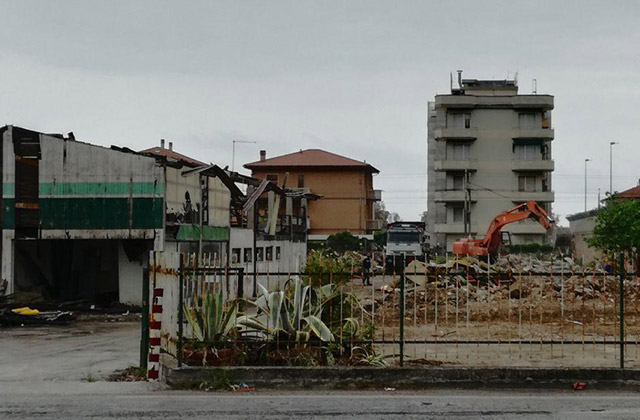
(345,185)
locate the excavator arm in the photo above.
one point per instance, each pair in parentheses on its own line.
(491,241)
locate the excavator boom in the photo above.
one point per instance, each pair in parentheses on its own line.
(491,241)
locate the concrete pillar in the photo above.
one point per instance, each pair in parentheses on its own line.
(7,260)
(129,279)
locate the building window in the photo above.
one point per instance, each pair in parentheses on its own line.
(269,253)
(458,214)
(527,183)
(260,254)
(272,177)
(458,151)
(248,255)
(235,256)
(527,120)
(300,180)
(458,120)
(458,182)
(277,253)
(528,152)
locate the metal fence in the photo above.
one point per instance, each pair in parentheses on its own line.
(459,312)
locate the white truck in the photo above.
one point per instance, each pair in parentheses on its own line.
(404,239)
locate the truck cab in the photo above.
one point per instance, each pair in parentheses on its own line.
(404,239)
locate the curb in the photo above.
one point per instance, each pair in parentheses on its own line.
(328,378)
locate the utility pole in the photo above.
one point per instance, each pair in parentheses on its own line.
(233,152)
(585,183)
(611,143)
(467,204)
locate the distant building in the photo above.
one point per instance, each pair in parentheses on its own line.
(346,187)
(581,226)
(487,139)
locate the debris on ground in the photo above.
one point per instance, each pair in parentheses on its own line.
(27,316)
(130,374)
(579,386)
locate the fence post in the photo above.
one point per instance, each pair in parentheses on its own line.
(144,325)
(240,287)
(402,260)
(621,291)
(180,314)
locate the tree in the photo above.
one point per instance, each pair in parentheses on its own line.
(381,213)
(342,242)
(617,226)
(394,217)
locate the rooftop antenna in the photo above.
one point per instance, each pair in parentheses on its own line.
(451,81)
(459,78)
(534,87)
(515,78)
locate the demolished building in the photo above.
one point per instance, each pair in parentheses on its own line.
(79,220)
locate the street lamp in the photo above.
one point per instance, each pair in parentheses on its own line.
(233,153)
(611,143)
(585,183)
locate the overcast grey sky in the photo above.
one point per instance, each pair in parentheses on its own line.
(351,77)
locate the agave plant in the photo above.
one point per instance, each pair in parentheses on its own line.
(211,322)
(295,312)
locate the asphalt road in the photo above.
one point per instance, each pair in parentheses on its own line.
(48,373)
(102,400)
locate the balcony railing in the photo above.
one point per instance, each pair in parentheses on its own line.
(518,165)
(375,195)
(374,225)
(454,228)
(454,133)
(522,196)
(533,133)
(445,196)
(456,165)
(544,102)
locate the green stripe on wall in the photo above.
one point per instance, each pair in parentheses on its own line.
(92,188)
(93,213)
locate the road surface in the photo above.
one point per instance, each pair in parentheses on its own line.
(103,400)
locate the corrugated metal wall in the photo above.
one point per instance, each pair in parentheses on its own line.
(84,190)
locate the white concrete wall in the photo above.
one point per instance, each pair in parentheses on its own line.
(293,256)
(129,278)
(582,229)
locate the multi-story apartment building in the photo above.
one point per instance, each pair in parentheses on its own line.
(488,149)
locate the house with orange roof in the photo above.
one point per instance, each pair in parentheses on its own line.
(345,185)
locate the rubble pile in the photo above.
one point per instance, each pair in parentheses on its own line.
(546,290)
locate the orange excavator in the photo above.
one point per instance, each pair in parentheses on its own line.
(490,244)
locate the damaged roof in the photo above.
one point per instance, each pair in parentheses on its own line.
(172,155)
(311,158)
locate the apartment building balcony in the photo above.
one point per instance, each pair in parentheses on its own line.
(540,196)
(454,228)
(533,133)
(525,227)
(455,133)
(456,165)
(451,196)
(374,225)
(541,102)
(540,165)
(374,195)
